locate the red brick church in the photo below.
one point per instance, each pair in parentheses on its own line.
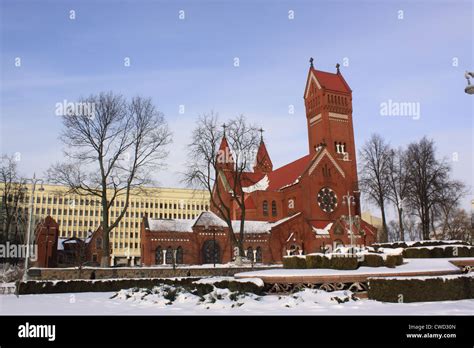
(299,208)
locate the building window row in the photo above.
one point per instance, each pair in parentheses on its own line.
(265,208)
(168,255)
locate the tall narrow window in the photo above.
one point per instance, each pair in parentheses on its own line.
(179,255)
(274,208)
(265,208)
(250,254)
(158,256)
(169,256)
(258,256)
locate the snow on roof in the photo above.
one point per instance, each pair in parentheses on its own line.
(279,222)
(252,226)
(208,218)
(60,243)
(324,230)
(261,185)
(170,225)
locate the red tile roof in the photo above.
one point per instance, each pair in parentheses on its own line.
(331,81)
(287,174)
(247,178)
(263,158)
(224,155)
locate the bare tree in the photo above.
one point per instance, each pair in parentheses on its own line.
(13,194)
(398,185)
(446,210)
(457,226)
(112,149)
(428,179)
(375,159)
(220,172)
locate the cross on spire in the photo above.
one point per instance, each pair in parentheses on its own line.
(337,67)
(224,126)
(311,61)
(261,133)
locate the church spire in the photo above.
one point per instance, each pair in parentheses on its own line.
(263,163)
(225,160)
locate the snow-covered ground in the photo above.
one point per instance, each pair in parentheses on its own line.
(307,302)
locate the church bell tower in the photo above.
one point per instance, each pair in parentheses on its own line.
(328,103)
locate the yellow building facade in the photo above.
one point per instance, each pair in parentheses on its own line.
(78,215)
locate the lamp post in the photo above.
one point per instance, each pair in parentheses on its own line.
(34,180)
(349,200)
(469,88)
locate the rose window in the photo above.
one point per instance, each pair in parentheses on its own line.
(327,200)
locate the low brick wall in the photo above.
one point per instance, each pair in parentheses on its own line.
(133,272)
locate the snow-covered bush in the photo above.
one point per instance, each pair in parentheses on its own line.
(346,262)
(393,260)
(439,251)
(421,289)
(297,262)
(317,261)
(372,260)
(225,299)
(421,243)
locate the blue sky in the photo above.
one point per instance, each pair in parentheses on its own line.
(190,62)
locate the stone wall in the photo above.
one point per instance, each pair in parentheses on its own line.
(133,272)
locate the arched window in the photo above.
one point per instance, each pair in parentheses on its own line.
(258,255)
(274,208)
(169,256)
(179,255)
(265,208)
(158,256)
(250,254)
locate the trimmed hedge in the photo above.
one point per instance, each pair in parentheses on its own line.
(372,260)
(294,262)
(436,252)
(421,290)
(239,286)
(393,260)
(82,285)
(317,261)
(423,243)
(109,285)
(344,262)
(349,262)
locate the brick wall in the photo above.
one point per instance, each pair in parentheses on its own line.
(125,272)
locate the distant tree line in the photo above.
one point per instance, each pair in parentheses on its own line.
(13,192)
(418,185)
